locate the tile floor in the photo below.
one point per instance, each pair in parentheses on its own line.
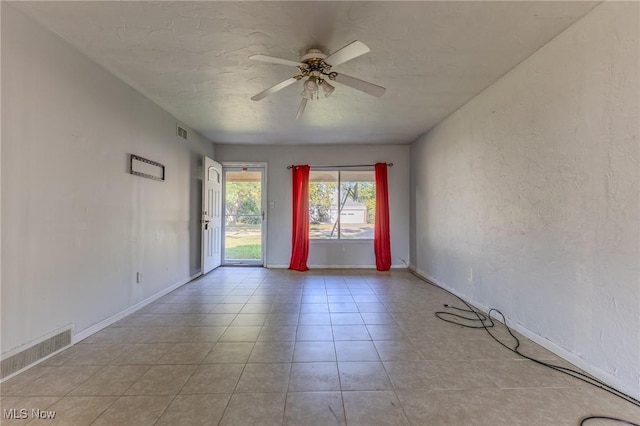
(252,346)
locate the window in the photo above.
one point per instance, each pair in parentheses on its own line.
(342,204)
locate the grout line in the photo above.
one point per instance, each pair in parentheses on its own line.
(237,382)
(399,298)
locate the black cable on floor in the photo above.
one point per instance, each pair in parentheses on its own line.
(613,419)
(576,374)
(486,322)
(483,318)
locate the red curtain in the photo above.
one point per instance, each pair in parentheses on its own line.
(382,236)
(300,230)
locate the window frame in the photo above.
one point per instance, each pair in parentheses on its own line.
(339,171)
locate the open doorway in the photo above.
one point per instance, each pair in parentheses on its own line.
(244,215)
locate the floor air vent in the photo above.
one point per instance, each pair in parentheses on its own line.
(35,353)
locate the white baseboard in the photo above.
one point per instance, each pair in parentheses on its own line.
(337,266)
(79,336)
(563,353)
(342,266)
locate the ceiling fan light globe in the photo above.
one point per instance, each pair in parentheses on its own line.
(310,84)
(308,94)
(327,88)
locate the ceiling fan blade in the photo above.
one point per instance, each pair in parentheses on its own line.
(303,104)
(361,85)
(273,89)
(350,51)
(273,60)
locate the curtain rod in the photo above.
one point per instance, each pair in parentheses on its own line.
(350,165)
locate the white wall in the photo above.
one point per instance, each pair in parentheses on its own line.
(534,185)
(76,226)
(333,253)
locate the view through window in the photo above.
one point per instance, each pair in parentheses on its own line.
(342,204)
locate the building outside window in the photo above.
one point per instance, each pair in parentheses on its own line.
(342,204)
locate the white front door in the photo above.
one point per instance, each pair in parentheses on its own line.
(211,215)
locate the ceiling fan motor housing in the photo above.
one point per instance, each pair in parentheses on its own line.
(313,65)
(312,54)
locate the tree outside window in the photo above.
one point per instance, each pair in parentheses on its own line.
(341,204)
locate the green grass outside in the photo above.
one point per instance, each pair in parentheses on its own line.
(348,231)
(242,243)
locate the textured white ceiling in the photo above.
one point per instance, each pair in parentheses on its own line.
(192,59)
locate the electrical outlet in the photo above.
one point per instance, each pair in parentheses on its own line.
(139,277)
(470,274)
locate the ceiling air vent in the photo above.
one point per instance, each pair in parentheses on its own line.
(182,132)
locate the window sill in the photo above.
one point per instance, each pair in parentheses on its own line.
(334,241)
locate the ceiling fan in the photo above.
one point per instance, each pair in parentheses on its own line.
(316,68)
